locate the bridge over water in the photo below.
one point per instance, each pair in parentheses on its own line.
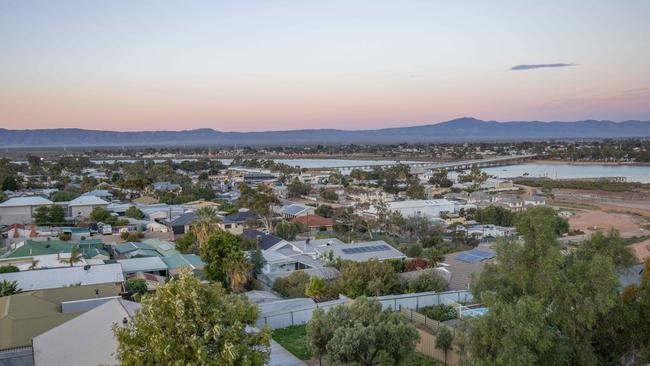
(417,167)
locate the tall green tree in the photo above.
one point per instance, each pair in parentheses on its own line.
(444,340)
(260,200)
(10,183)
(362,333)
(134,213)
(546,308)
(219,251)
(49,215)
(297,188)
(187,323)
(288,230)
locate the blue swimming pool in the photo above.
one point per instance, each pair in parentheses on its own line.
(472,312)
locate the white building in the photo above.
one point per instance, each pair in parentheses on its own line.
(428,208)
(82,206)
(20,210)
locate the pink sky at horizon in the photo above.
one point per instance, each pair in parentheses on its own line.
(372,64)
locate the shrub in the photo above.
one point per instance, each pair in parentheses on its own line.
(9,269)
(293,285)
(428,281)
(440,313)
(131,236)
(65,236)
(136,286)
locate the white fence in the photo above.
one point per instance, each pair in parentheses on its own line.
(302,314)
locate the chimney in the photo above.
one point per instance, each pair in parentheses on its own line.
(125,321)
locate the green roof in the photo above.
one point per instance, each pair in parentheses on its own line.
(129,247)
(90,242)
(93,252)
(148,248)
(176,261)
(32,247)
(143,253)
(163,247)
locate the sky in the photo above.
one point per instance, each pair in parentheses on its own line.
(278,65)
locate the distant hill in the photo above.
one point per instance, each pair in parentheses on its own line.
(462,129)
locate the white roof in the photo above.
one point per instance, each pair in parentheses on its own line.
(418,203)
(142,264)
(358,252)
(90,334)
(87,201)
(26,201)
(40,279)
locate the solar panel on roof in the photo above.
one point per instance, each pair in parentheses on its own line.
(366,249)
(485,254)
(475,255)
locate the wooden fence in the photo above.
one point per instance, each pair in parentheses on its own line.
(428,329)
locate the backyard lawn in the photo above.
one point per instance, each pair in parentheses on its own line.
(294,340)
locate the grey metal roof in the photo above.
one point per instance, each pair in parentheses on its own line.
(265,240)
(142,264)
(184,219)
(39,279)
(241,216)
(294,209)
(26,201)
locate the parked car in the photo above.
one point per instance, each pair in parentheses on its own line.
(107,230)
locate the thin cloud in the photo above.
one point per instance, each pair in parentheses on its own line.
(538,66)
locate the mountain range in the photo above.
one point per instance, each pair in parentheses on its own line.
(457,130)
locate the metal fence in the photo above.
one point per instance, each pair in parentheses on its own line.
(303,314)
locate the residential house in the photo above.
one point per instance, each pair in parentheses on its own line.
(26,315)
(91,333)
(254,178)
(176,262)
(153,265)
(428,208)
(315,222)
(100,193)
(236,222)
(182,224)
(20,210)
(47,278)
(314,255)
(291,211)
(534,200)
(265,241)
(145,248)
(166,186)
(510,201)
(82,206)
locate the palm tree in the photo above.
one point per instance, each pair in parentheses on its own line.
(75,257)
(238,272)
(206,223)
(9,288)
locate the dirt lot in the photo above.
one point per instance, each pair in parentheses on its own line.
(627,212)
(590,221)
(636,201)
(642,249)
